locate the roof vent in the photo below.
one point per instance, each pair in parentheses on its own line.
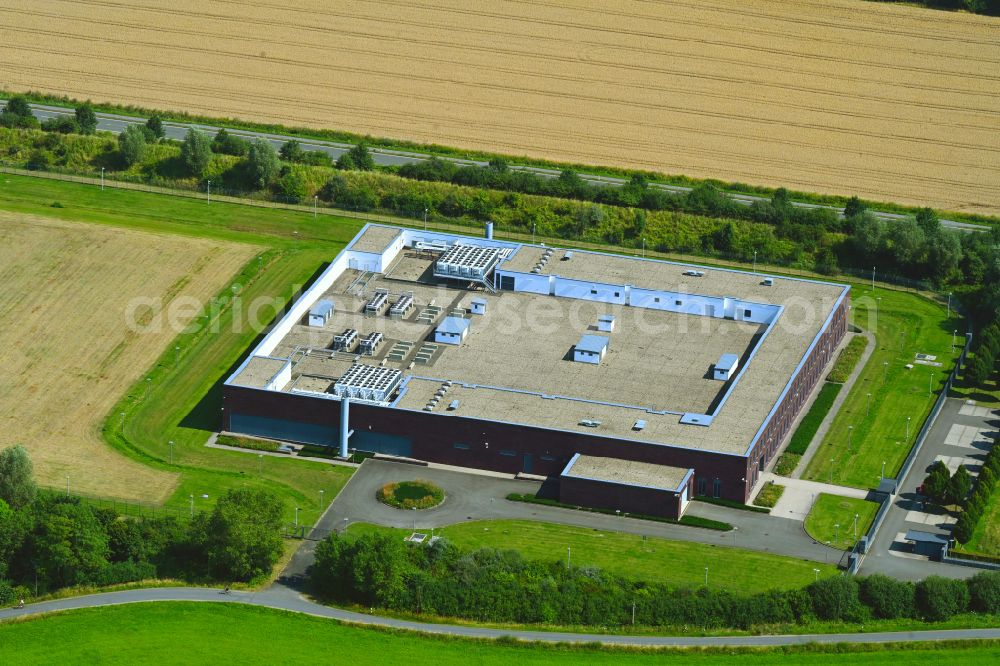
(590,423)
(639,425)
(694,273)
(768,282)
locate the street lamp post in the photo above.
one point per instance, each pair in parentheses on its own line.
(855,527)
(102,179)
(296,516)
(321,499)
(907,427)
(850,438)
(885,370)
(831,469)
(643,248)
(568,556)
(425,219)
(171,445)
(208,193)
(953,334)
(260,464)
(883,469)
(706,576)
(836,534)
(149,381)
(949,304)
(191,504)
(816,571)
(868,410)
(755,262)
(315,204)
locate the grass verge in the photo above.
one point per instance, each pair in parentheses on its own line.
(811,422)
(690,521)
(832,520)
(769,495)
(192,633)
(679,563)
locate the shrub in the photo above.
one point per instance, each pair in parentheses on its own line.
(410,495)
(124,572)
(228,144)
(291,151)
(61,124)
(155,127)
(835,598)
(938,598)
(262,164)
(984,592)
(7,594)
(887,597)
(292,186)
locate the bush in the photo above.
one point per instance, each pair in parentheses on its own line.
(228,144)
(292,186)
(86,119)
(887,597)
(7,594)
(124,572)
(291,151)
(242,536)
(61,124)
(835,598)
(262,164)
(155,127)
(410,495)
(984,592)
(939,598)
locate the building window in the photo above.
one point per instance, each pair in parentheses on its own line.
(548,458)
(702,486)
(678,302)
(617,294)
(508,453)
(717,489)
(462,447)
(746,313)
(593,291)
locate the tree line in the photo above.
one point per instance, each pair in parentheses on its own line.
(991,7)
(489,585)
(50,540)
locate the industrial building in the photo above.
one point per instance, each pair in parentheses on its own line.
(637,383)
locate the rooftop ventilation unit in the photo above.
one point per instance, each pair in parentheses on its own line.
(370,343)
(368,382)
(346,340)
(606,323)
(768,282)
(568,256)
(694,273)
(639,425)
(590,423)
(401,306)
(377,303)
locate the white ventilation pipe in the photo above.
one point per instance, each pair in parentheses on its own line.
(345,416)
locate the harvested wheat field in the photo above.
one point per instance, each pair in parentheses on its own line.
(836,96)
(66,352)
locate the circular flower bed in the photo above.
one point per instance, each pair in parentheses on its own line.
(410,495)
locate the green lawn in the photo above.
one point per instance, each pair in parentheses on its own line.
(986,539)
(677,562)
(831,519)
(907,324)
(182,402)
(203,633)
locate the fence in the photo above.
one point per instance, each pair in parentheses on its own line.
(861,547)
(417,219)
(125,507)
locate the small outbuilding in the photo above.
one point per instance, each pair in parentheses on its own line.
(606,323)
(321,313)
(591,349)
(726,367)
(934,546)
(452,330)
(478,306)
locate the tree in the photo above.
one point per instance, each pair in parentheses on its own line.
(61,124)
(69,544)
(17,479)
(965,526)
(132,144)
(229,144)
(18,105)
(939,598)
(854,207)
(242,537)
(499,165)
(86,119)
(377,568)
(959,485)
(17,113)
(291,151)
(887,597)
(196,152)
(262,164)
(155,127)
(978,371)
(937,481)
(906,242)
(357,158)
(293,186)
(928,221)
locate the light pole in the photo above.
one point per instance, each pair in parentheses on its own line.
(907,427)
(883,469)
(532,233)
(296,516)
(855,527)
(755,262)
(816,571)
(644,248)
(102,179)
(425,219)
(930,384)
(208,193)
(953,334)
(568,554)
(850,438)
(123,422)
(177,355)
(885,370)
(260,464)
(949,304)
(321,499)
(868,410)
(171,445)
(149,381)
(706,576)
(831,469)
(191,504)
(873,278)
(836,534)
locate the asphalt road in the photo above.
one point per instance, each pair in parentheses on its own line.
(282,598)
(116,123)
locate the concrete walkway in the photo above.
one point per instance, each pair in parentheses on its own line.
(838,402)
(800,495)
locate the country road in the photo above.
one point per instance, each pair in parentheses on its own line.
(175,130)
(283,598)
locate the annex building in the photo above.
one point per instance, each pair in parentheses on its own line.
(638,383)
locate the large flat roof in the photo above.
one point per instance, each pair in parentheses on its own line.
(516,362)
(627,472)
